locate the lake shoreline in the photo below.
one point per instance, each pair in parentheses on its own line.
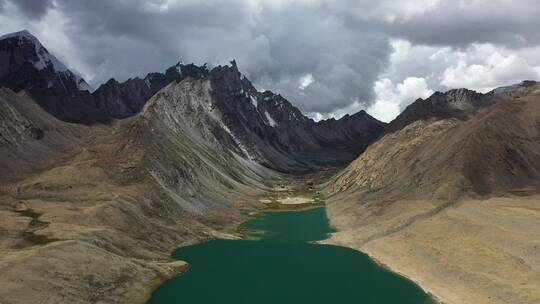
(310,239)
(374,258)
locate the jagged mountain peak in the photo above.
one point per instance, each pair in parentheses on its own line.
(27,65)
(261,126)
(27,49)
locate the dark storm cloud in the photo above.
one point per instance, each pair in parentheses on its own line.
(450,23)
(505,23)
(32,8)
(343,46)
(274,45)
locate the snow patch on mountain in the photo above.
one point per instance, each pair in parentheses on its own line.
(271,120)
(253,101)
(237,141)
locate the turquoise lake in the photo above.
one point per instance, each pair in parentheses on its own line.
(279,265)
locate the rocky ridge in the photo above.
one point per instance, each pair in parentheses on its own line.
(456,103)
(265,125)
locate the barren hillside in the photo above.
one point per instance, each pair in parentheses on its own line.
(94,207)
(441,199)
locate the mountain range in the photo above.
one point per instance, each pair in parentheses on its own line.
(264,125)
(98,186)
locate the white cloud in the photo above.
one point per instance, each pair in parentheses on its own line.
(305,81)
(485,67)
(392,99)
(415,71)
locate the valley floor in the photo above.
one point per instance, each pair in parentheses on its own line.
(474,251)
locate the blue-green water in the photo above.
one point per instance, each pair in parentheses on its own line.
(280,266)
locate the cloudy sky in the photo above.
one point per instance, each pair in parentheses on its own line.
(327,57)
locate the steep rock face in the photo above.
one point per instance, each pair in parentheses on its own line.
(207,159)
(25,63)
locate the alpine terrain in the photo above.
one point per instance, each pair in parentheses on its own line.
(92,204)
(99,185)
(449,195)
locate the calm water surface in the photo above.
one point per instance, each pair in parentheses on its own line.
(281,266)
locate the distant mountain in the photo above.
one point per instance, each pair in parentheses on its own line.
(274,131)
(457,103)
(124,99)
(265,126)
(494,148)
(25,64)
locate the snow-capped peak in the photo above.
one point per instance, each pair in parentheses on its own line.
(254,101)
(270,120)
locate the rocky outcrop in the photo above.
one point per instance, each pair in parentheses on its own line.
(26,64)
